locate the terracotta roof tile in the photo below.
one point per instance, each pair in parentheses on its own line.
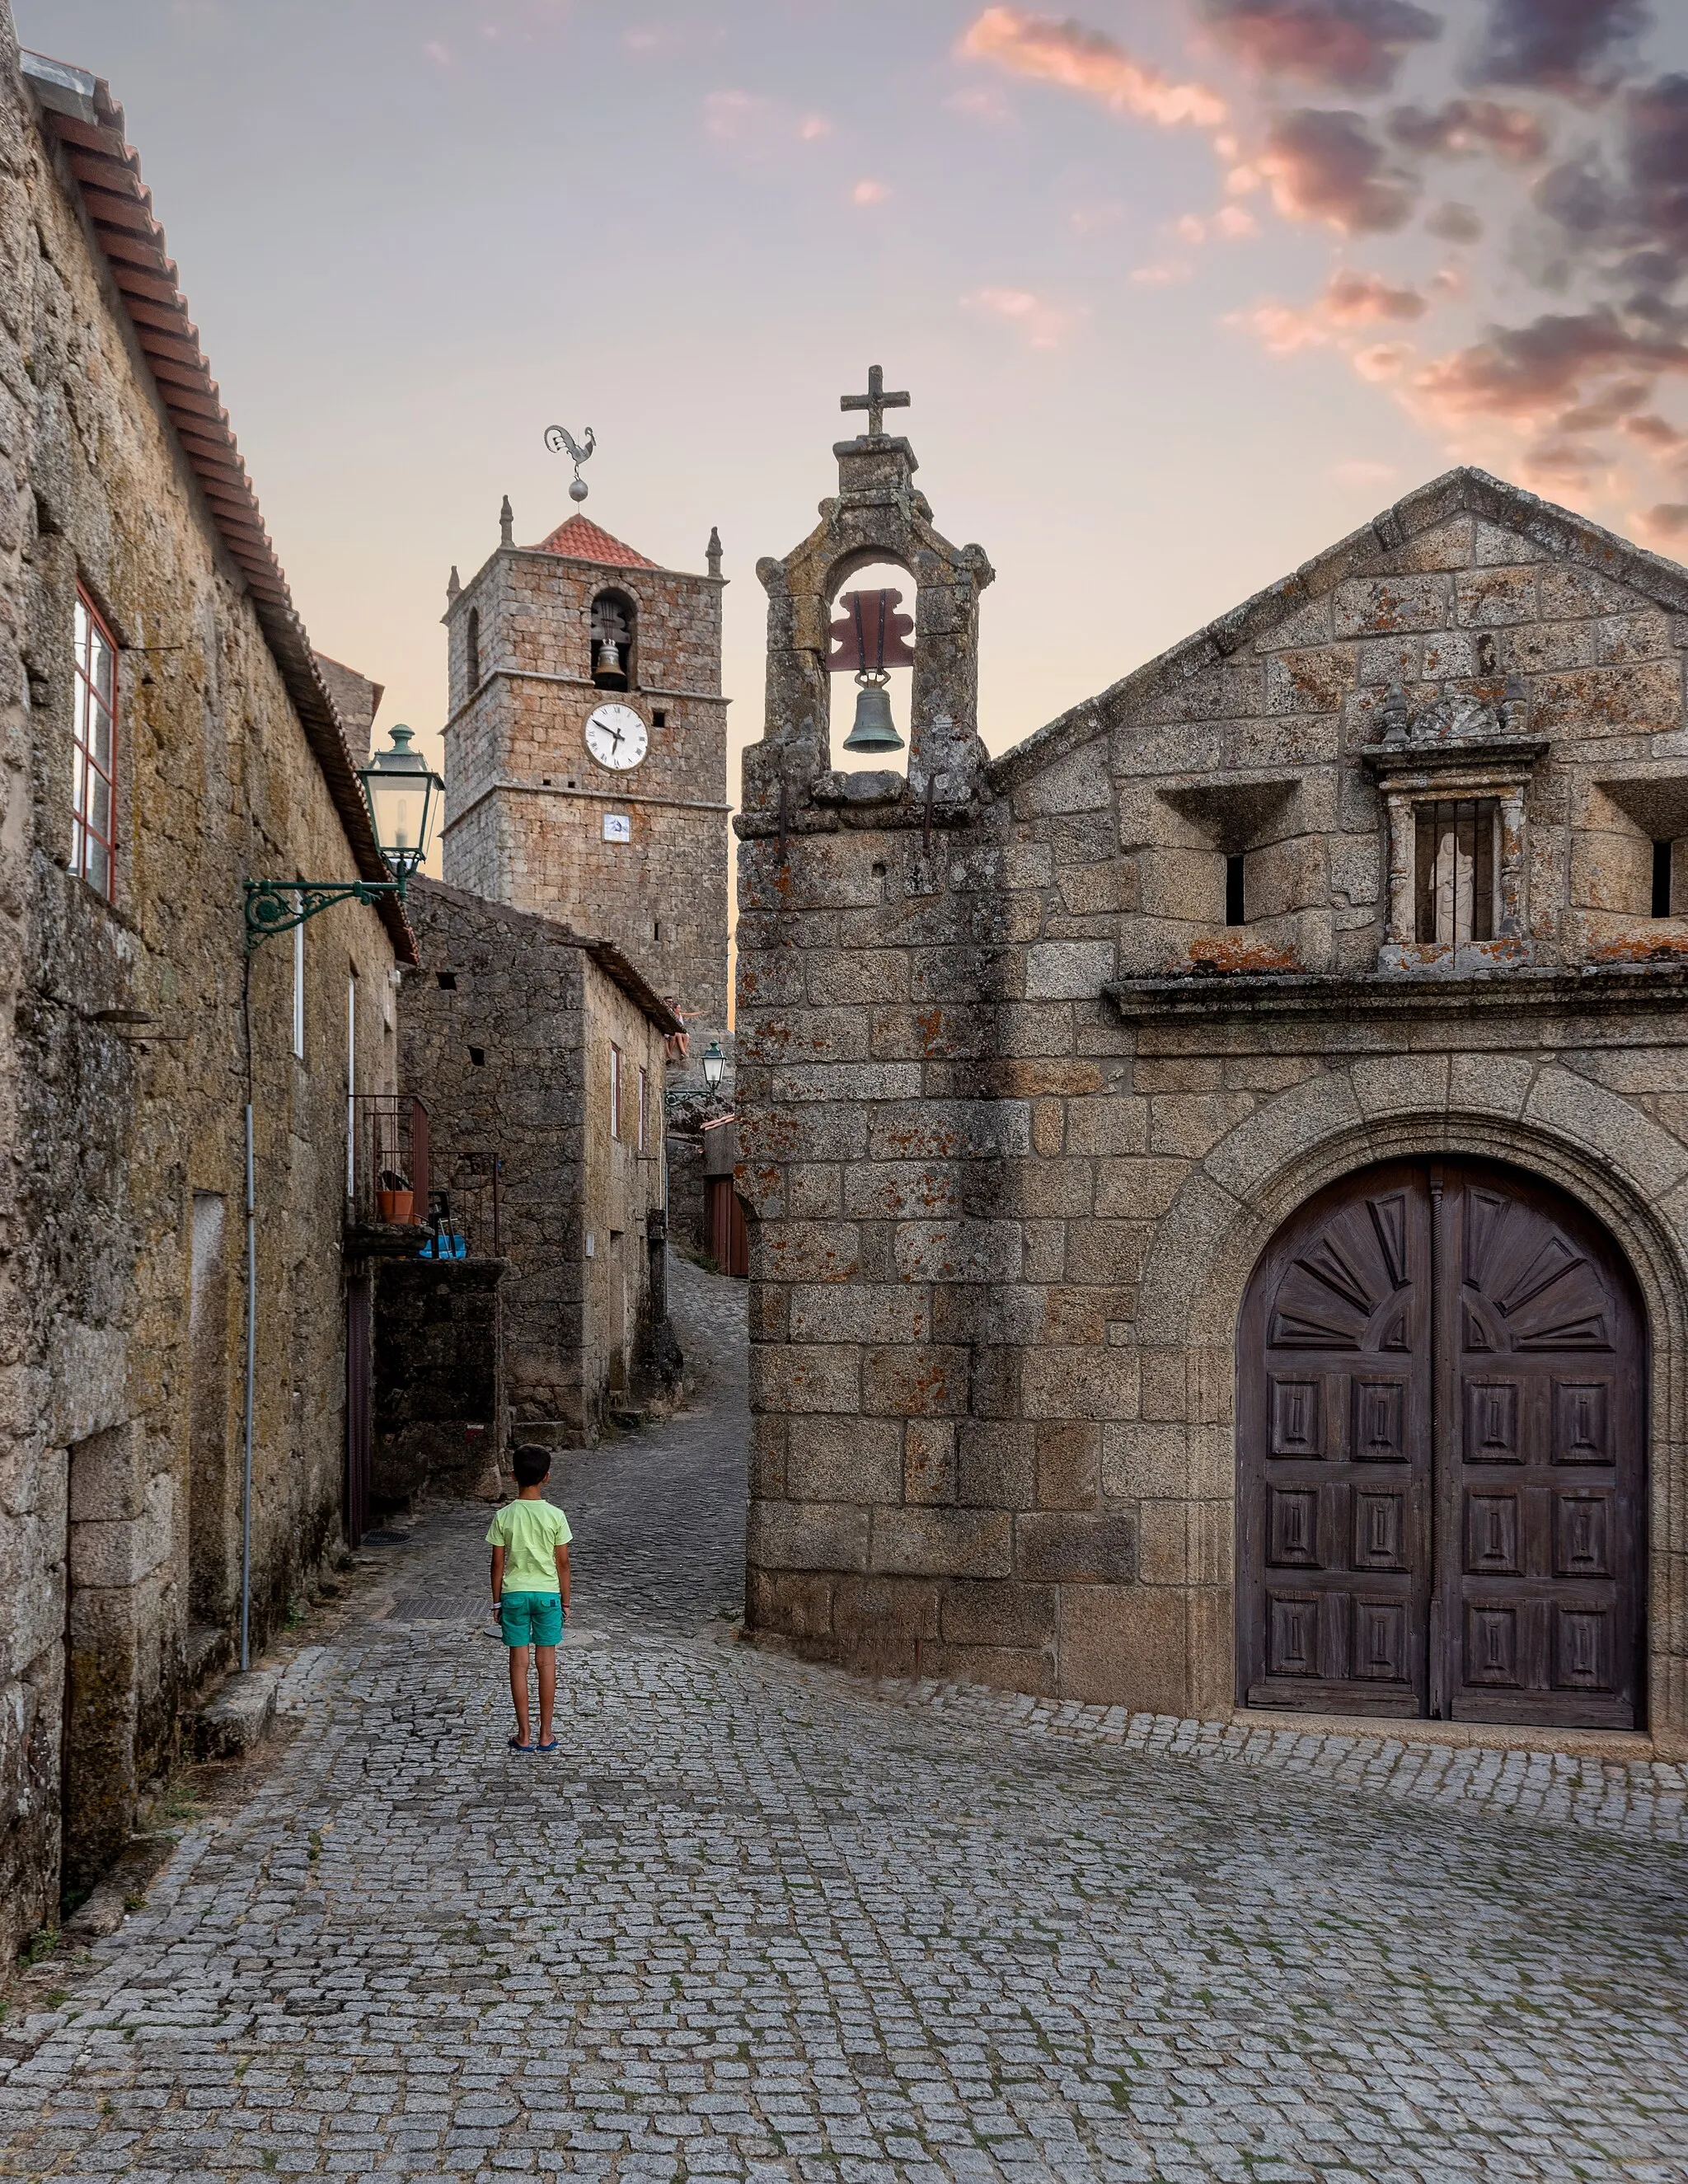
(579,539)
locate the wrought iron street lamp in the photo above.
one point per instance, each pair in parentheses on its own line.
(404,795)
(714,1065)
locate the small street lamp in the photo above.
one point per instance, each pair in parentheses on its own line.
(403,792)
(714,1065)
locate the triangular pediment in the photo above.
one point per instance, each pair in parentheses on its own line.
(1428,531)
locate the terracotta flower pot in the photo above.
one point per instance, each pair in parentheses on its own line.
(395,1204)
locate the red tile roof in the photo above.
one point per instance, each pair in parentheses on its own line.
(79,110)
(579,539)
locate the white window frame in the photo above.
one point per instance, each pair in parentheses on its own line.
(645,1109)
(615,1089)
(93,853)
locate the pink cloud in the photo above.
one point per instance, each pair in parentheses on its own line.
(1528,374)
(1337,45)
(869,193)
(1044,324)
(1328,166)
(1050,49)
(1463,126)
(758,126)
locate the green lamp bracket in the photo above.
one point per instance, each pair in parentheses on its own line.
(278,906)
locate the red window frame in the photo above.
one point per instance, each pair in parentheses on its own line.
(93,735)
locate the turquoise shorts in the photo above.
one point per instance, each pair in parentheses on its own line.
(532,1618)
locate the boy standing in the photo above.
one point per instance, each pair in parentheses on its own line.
(529,1541)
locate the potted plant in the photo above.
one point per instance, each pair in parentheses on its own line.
(394,1196)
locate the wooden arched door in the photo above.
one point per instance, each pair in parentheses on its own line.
(1442,1372)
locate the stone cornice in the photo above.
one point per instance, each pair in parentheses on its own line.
(1599,988)
(576,682)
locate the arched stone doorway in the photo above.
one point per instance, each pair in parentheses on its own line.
(1442,1402)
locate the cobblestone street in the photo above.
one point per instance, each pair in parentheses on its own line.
(763,1920)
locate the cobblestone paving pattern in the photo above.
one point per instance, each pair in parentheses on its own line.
(757,1923)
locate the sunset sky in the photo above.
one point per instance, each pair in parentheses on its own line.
(1182,289)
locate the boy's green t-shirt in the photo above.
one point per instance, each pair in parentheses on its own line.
(530,1532)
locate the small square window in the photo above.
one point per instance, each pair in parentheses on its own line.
(93,736)
(477,1056)
(447,981)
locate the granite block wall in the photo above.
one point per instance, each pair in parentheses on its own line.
(123,1078)
(507,1028)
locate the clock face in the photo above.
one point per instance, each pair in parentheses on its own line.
(616,738)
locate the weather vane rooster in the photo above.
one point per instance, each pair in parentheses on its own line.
(559,438)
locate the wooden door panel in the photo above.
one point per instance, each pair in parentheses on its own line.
(1334,1483)
(1441,1404)
(1541,1358)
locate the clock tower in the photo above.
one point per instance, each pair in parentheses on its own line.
(586,753)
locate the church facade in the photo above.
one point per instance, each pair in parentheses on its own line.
(1219,1171)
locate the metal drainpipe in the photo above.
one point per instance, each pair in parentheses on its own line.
(251,1375)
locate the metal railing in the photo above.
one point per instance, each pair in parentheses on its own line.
(399,1175)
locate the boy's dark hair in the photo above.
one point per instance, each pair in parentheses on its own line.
(532,1463)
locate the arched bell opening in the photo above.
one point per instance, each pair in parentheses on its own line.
(870,662)
(1442,1371)
(614,637)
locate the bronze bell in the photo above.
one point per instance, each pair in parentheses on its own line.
(874,730)
(609,663)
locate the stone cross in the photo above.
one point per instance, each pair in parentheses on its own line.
(876,402)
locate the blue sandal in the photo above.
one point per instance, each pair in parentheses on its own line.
(526,1750)
(549,1748)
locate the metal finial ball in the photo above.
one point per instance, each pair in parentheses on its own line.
(577,490)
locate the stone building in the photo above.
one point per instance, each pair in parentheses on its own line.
(1220,1170)
(166,736)
(585,754)
(541,1054)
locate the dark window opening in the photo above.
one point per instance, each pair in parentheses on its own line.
(659,718)
(471,651)
(546,781)
(448,979)
(477,1054)
(612,641)
(1662,878)
(1454,869)
(1235,908)
(656,929)
(1485,654)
